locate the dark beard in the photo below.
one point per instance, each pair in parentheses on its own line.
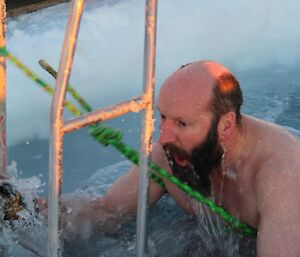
(203,158)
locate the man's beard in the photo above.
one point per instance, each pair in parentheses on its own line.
(203,159)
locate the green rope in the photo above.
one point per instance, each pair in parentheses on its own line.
(108,136)
(86,107)
(132,155)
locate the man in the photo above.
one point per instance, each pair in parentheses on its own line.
(250,167)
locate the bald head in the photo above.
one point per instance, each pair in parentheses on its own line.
(202,75)
(210,84)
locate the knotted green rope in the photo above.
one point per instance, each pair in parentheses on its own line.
(109,136)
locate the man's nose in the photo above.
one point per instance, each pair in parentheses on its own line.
(166,133)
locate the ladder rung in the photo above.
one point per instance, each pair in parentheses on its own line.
(106,113)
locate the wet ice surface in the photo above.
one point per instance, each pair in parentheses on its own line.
(171,232)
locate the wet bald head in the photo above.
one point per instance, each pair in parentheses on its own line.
(211,84)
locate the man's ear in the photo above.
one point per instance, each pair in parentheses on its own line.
(227,125)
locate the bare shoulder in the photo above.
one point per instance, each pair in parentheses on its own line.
(278,176)
(277,161)
(277,184)
(273,146)
(278,205)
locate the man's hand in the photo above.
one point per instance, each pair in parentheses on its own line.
(85,216)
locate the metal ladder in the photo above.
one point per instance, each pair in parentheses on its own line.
(3,152)
(59,127)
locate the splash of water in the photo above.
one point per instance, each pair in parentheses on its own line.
(27,235)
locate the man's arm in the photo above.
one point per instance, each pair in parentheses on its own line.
(279,206)
(84,215)
(126,202)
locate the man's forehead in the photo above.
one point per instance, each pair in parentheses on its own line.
(186,85)
(181,102)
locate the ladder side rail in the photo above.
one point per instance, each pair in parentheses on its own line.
(3,148)
(3,153)
(147,126)
(106,113)
(56,130)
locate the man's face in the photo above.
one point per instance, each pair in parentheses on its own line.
(188,129)
(203,158)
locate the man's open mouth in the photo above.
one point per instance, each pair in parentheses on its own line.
(178,156)
(180,160)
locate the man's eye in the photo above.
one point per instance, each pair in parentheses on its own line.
(181,123)
(162,117)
